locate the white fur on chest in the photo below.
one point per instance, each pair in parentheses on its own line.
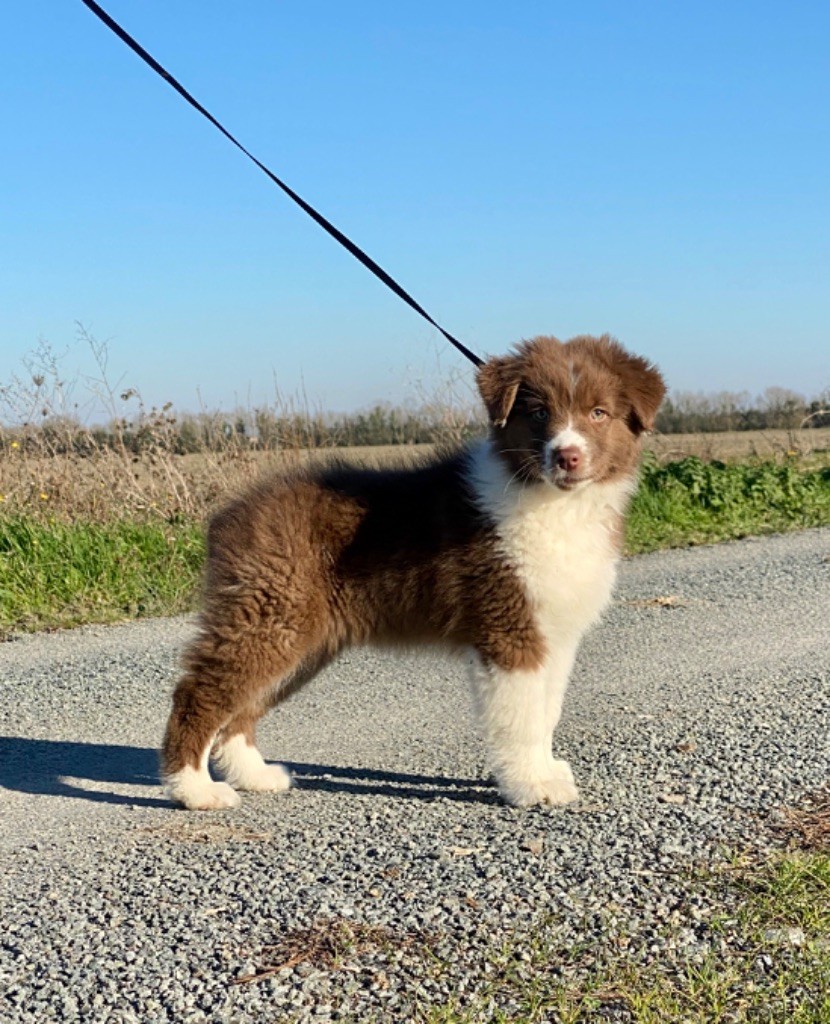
(560,543)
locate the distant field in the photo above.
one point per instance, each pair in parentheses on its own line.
(161,485)
(737,445)
(728,446)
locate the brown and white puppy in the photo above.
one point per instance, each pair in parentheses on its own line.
(507,548)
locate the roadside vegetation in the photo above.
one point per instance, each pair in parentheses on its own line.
(690,501)
(104,522)
(57,573)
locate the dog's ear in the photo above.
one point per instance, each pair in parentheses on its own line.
(498,382)
(643,386)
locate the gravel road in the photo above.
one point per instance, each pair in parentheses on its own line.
(700,703)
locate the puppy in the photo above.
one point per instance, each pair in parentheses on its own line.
(507,549)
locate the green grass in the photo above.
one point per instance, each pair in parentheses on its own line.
(59,573)
(54,573)
(696,502)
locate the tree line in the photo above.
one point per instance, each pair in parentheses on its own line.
(776,408)
(382,424)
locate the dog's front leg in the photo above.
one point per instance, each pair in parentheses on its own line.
(518,710)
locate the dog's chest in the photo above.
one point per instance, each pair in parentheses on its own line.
(560,546)
(564,555)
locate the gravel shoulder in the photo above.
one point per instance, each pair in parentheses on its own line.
(698,705)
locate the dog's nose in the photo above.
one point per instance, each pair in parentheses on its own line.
(568,458)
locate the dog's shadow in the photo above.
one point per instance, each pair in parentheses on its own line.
(61,767)
(402,785)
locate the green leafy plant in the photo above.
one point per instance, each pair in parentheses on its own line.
(690,501)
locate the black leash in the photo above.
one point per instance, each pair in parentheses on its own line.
(355,250)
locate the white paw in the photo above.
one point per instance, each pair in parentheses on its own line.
(270,778)
(529,792)
(196,791)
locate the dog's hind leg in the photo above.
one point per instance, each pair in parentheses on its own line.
(235,754)
(220,696)
(237,759)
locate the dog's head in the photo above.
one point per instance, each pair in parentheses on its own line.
(571,413)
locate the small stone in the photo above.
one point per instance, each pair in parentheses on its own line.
(786,936)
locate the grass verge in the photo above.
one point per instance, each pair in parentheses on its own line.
(695,502)
(61,570)
(55,573)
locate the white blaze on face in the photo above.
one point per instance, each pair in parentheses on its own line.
(567,437)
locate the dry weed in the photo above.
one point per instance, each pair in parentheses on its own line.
(809,824)
(145,463)
(327,942)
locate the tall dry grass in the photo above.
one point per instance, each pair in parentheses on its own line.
(90,448)
(152,463)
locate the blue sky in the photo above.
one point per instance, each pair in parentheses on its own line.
(657,170)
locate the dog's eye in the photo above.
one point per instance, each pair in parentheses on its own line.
(540,415)
(597,415)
